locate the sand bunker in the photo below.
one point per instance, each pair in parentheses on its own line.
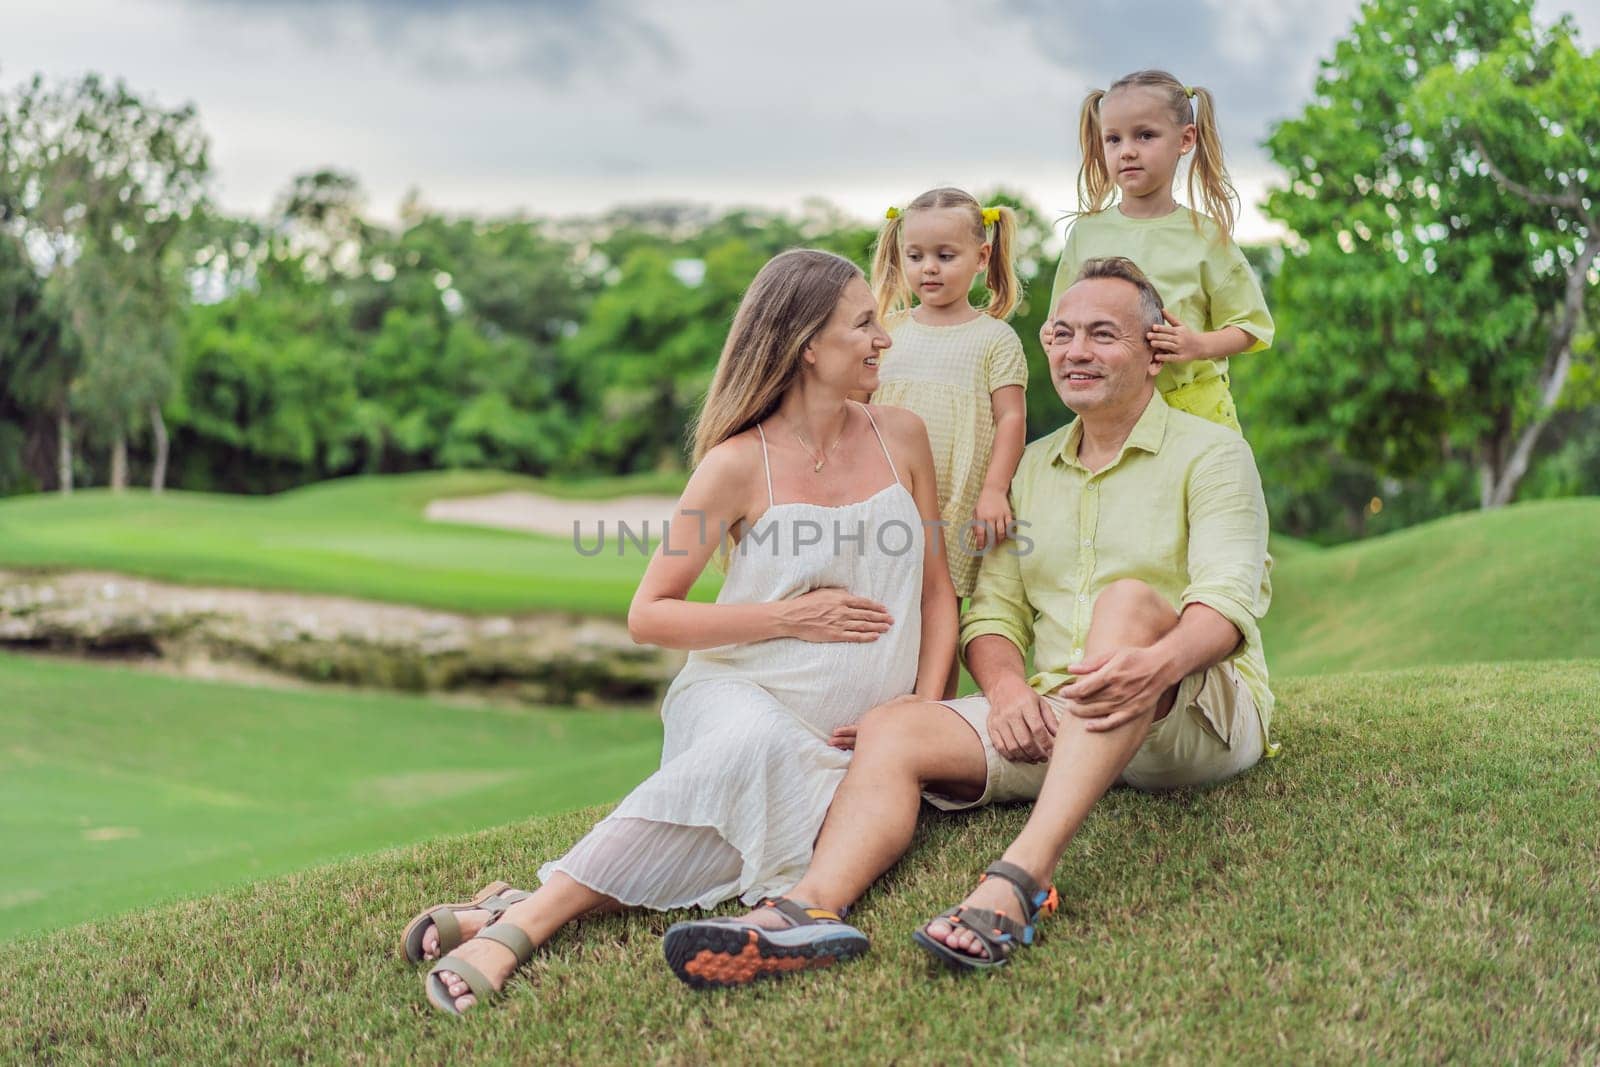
(533,513)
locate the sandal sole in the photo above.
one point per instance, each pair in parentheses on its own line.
(705,956)
(959,962)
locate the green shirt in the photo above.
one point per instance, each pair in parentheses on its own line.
(1179,509)
(1203,280)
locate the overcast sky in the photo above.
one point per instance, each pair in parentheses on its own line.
(573,106)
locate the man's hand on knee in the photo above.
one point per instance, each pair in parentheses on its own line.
(1113,688)
(1022,724)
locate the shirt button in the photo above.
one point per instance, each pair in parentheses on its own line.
(1087,543)
(1082,597)
(1077,653)
(1090,487)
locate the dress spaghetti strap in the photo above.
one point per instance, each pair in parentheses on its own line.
(767,463)
(881,445)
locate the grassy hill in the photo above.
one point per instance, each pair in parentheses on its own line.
(121,789)
(359,537)
(1413,880)
(1520,583)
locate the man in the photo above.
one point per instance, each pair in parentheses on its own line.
(1140,587)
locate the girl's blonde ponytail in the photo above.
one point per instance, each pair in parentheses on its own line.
(1095,187)
(889,283)
(1005,288)
(1217,193)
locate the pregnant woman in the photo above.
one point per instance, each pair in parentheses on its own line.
(835,602)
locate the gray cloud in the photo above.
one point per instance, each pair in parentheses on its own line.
(547,41)
(674,111)
(564,106)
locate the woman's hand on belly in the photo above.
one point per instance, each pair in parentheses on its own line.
(832,614)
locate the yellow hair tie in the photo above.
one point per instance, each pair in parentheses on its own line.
(892,213)
(1188,90)
(991,215)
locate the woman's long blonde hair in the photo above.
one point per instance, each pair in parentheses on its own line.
(790,300)
(1217,194)
(889,282)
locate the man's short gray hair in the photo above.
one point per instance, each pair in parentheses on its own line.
(1124,269)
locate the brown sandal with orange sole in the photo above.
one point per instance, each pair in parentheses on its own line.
(720,953)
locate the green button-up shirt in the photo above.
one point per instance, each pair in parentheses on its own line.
(1179,509)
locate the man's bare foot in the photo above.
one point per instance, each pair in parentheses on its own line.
(992,894)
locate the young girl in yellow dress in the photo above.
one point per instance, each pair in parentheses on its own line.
(1133,136)
(959,367)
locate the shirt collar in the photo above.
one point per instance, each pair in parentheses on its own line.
(1146,435)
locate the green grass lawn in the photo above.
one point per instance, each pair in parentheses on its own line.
(1414,880)
(121,788)
(359,537)
(1520,583)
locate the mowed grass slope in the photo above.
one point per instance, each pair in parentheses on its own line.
(121,789)
(1413,880)
(1520,583)
(360,537)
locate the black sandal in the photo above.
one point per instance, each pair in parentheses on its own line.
(998,932)
(713,953)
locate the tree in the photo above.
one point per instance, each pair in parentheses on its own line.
(1528,114)
(99,185)
(1422,304)
(37,365)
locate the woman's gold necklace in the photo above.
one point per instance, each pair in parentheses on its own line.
(822,459)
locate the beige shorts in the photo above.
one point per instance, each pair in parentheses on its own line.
(1212,733)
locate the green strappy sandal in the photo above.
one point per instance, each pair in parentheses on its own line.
(521,946)
(494,898)
(999,933)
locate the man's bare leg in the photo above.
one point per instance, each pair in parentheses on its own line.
(1083,764)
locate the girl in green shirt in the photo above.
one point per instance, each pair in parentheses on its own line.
(1133,136)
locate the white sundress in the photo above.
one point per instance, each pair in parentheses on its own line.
(746,773)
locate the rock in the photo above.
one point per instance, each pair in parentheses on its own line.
(543,659)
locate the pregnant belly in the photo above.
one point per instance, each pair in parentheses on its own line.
(829,685)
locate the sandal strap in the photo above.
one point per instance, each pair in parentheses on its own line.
(800,914)
(476,980)
(1034,900)
(502,901)
(444,920)
(1000,933)
(508,935)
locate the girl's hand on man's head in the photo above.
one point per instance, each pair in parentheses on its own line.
(1174,342)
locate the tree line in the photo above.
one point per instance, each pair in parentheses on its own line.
(1436,299)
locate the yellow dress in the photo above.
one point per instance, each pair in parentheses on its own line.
(945,374)
(1203,278)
